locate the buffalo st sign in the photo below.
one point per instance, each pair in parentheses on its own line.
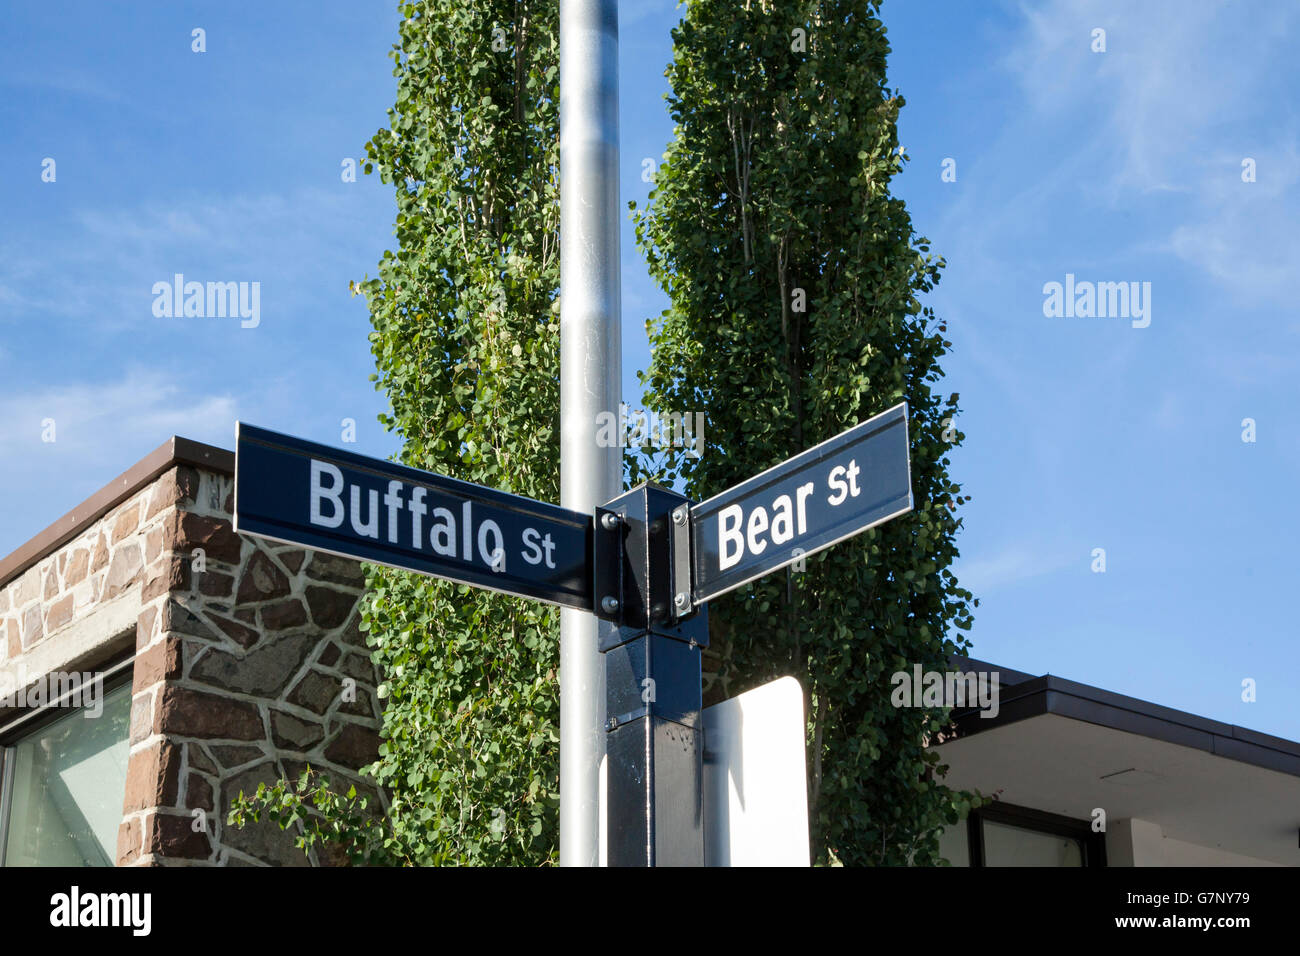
(329,500)
(326,499)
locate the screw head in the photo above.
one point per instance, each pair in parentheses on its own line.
(679,516)
(609,604)
(610,521)
(682,601)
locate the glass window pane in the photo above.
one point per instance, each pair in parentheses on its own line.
(69,781)
(1007,845)
(954,845)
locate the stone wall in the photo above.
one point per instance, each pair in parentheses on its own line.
(249,663)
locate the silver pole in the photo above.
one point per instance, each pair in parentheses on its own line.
(590,373)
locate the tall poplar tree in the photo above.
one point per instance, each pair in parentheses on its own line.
(795,280)
(466,345)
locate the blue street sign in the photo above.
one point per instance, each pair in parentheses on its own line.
(326,499)
(854,481)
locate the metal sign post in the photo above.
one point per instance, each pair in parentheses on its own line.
(657,560)
(651,646)
(590,373)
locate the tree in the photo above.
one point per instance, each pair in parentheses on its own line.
(466,341)
(794,279)
(466,344)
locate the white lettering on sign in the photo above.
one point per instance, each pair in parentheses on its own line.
(418,511)
(729,533)
(442,536)
(393,502)
(536,545)
(333,494)
(841,489)
(368,528)
(495,556)
(781,521)
(332,503)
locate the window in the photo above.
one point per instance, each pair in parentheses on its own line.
(1006,835)
(63,781)
(1008,845)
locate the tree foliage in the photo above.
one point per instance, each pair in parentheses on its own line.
(795,278)
(466,344)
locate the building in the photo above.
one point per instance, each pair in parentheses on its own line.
(210,662)
(1172,788)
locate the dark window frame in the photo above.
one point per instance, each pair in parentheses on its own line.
(1092,845)
(117,669)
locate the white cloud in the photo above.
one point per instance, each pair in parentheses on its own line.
(1243,235)
(99,431)
(1145,140)
(1174,74)
(98,270)
(62,78)
(94,419)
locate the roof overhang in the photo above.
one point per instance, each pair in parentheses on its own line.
(1067,748)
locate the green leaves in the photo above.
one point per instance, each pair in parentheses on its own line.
(466,350)
(778,179)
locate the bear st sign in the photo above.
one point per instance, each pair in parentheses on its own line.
(847,484)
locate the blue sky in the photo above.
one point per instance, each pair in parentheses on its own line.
(1082,433)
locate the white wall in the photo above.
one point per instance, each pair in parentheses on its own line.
(1128,843)
(1143,843)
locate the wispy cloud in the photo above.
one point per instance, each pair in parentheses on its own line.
(1183,94)
(98,270)
(98,431)
(62,78)
(1013,564)
(93,421)
(1172,73)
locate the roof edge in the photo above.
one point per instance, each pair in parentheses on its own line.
(1065,698)
(174,451)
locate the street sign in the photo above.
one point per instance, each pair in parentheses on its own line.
(854,481)
(671,764)
(322,498)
